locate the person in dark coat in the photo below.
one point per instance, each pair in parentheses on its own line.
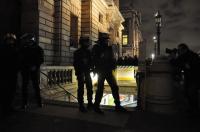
(83,66)
(8,72)
(135,61)
(31,57)
(188,62)
(105,64)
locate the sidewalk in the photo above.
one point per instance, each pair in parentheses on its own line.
(66,119)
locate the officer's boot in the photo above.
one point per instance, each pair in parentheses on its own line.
(82,108)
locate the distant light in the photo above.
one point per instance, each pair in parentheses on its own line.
(154,38)
(153,56)
(156,14)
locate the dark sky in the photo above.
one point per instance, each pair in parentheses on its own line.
(181,21)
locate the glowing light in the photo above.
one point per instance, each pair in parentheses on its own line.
(153,56)
(94,77)
(126,73)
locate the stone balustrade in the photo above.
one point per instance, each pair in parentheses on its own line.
(58,75)
(56,80)
(52,78)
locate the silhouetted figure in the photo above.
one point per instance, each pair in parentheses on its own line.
(125,62)
(104,65)
(188,62)
(120,61)
(135,61)
(8,71)
(83,66)
(130,61)
(31,57)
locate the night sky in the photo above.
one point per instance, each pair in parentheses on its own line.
(181,22)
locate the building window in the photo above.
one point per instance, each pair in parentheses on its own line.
(107,17)
(74,31)
(124,39)
(117,34)
(125,36)
(100,18)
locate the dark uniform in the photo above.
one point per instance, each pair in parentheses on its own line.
(189,62)
(31,57)
(83,66)
(105,63)
(8,71)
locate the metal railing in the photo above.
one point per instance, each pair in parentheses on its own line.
(47,89)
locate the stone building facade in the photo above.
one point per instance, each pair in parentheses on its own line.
(58,24)
(102,16)
(59,29)
(131,36)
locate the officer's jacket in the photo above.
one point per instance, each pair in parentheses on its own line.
(31,56)
(104,59)
(82,61)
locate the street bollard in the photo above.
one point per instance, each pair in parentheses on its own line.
(160,92)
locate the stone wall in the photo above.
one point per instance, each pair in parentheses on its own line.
(86,17)
(54,29)
(98,7)
(91,23)
(47,29)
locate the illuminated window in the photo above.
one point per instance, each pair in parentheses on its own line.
(125,33)
(125,40)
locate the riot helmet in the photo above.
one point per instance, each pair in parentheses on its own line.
(28,39)
(10,39)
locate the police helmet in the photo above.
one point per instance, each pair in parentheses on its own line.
(84,40)
(103,36)
(29,37)
(10,36)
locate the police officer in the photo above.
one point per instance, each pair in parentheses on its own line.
(31,57)
(105,63)
(8,71)
(83,66)
(188,62)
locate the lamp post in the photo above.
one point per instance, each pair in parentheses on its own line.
(155,45)
(158,20)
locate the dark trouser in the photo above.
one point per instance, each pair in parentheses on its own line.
(8,84)
(34,76)
(82,79)
(192,96)
(109,77)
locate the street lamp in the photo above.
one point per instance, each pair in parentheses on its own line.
(155,45)
(158,20)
